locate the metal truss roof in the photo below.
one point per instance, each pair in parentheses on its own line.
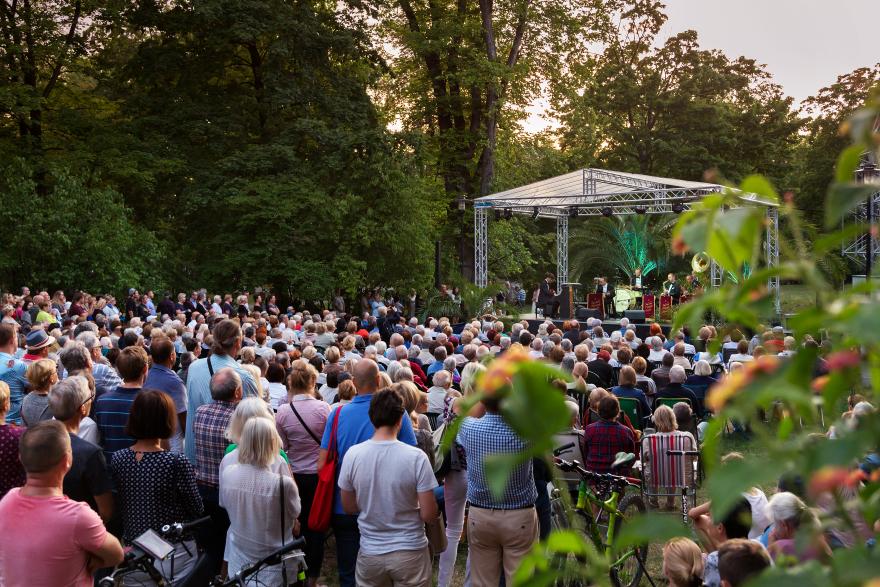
(592,192)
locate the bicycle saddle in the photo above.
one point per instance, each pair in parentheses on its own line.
(622,459)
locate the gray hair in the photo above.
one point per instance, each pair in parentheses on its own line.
(224,384)
(505,342)
(89,339)
(450,364)
(85,327)
(402,374)
(67,396)
(702,367)
(677,374)
(442,378)
(75,357)
(440,353)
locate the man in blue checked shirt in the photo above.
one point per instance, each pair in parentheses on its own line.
(500,531)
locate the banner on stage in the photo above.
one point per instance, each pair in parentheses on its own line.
(648,306)
(594,302)
(666,307)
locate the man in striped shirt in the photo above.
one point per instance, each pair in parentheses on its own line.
(112,408)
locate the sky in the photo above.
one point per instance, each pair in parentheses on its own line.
(805,44)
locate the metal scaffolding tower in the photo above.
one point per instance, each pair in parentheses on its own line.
(599,192)
(856,250)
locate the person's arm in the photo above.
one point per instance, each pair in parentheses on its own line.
(427,506)
(181,420)
(322,458)
(109,554)
(349,502)
(105,505)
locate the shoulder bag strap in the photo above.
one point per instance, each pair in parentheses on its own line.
(331,447)
(210,367)
(301,421)
(282,510)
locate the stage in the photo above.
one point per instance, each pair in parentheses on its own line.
(642,330)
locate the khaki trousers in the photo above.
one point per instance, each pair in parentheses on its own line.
(404,568)
(499,539)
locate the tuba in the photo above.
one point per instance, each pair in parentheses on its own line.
(700,262)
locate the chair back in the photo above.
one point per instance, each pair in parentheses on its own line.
(660,469)
(726,354)
(630,406)
(671,401)
(433,417)
(644,386)
(596,380)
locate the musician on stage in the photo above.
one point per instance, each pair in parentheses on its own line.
(607,291)
(637,286)
(672,288)
(547,297)
(693,285)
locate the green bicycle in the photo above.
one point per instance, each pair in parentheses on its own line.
(603,506)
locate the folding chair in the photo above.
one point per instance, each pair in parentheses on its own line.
(631,407)
(670,464)
(643,385)
(432,419)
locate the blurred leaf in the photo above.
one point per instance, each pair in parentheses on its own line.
(534,408)
(729,480)
(760,185)
(498,467)
(810,574)
(843,198)
(650,527)
(832,242)
(848,162)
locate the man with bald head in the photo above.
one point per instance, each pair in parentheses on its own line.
(354,427)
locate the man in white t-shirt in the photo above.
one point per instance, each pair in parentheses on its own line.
(390,485)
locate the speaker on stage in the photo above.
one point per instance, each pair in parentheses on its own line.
(583,313)
(635,316)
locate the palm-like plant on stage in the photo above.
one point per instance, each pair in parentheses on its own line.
(627,242)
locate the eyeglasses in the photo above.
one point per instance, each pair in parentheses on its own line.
(90,398)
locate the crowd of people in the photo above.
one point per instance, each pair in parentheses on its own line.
(119,421)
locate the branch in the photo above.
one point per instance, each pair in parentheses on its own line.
(513,56)
(410,15)
(486,9)
(68,41)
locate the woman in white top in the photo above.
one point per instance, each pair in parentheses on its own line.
(247,409)
(277,390)
(262,505)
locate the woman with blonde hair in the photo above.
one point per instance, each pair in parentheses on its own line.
(245,410)
(683,563)
(654,447)
(344,393)
(11,470)
(412,399)
(252,486)
(41,375)
(257,376)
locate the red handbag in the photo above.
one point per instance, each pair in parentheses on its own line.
(322,504)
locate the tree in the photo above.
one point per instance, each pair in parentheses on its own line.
(674,110)
(71,237)
(459,71)
(38,40)
(817,151)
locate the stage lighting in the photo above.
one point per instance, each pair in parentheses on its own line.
(497,214)
(534,213)
(640,210)
(607,212)
(677,207)
(508,213)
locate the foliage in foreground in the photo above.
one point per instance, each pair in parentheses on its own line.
(796,403)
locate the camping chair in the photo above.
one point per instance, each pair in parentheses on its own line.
(699,391)
(670,464)
(726,354)
(631,407)
(596,380)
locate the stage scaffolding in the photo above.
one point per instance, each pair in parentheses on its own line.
(599,192)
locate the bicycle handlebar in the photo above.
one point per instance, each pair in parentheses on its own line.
(271,560)
(562,449)
(178,528)
(593,476)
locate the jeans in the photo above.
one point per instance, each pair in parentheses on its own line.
(314,548)
(454,499)
(348,541)
(213,535)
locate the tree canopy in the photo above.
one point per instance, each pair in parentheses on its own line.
(304,147)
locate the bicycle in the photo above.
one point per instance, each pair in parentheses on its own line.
(602,507)
(141,556)
(289,554)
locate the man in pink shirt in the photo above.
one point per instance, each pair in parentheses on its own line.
(46,538)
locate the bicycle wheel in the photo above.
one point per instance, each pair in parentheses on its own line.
(629,572)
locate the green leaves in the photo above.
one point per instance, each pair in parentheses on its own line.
(843,198)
